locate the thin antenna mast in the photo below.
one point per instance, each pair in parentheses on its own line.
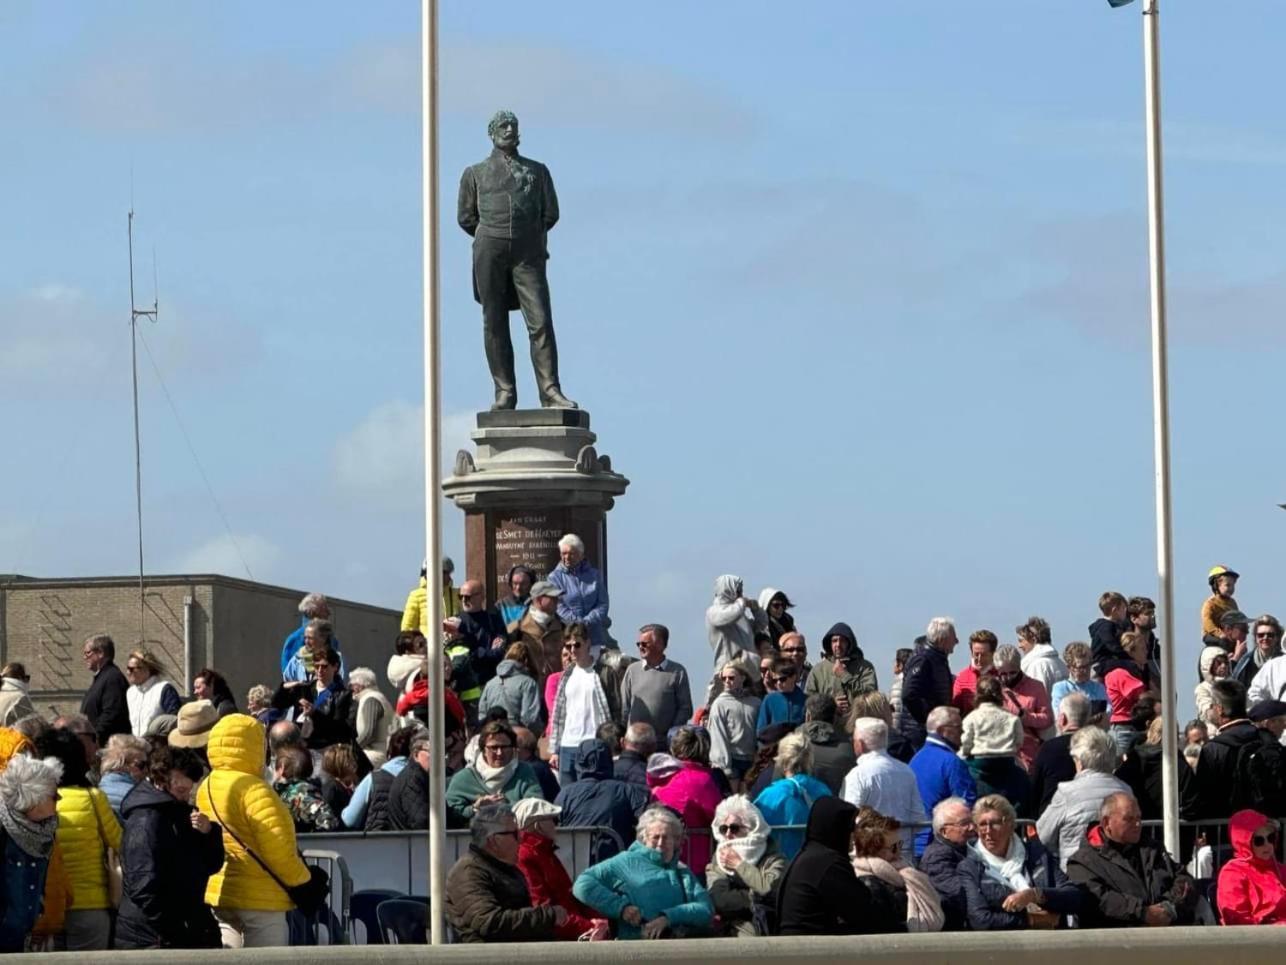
(135,314)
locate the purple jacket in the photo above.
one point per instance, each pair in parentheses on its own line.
(584,599)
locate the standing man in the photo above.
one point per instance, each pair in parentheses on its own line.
(482,630)
(541,629)
(105,702)
(415,615)
(843,672)
(655,689)
(1266,633)
(926,682)
(507,205)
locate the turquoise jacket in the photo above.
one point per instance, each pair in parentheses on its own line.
(639,877)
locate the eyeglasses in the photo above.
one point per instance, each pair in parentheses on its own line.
(1266,633)
(466,596)
(988,825)
(132,669)
(497,748)
(88,653)
(1259,840)
(727,829)
(731,678)
(574,645)
(786,674)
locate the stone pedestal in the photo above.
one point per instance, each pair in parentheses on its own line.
(535,477)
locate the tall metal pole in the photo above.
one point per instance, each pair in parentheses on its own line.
(1161,424)
(134,314)
(433,473)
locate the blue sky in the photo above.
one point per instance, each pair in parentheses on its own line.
(855,293)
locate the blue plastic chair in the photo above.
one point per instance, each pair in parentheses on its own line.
(403,921)
(362,907)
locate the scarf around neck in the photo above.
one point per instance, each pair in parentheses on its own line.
(750,846)
(495,778)
(36,838)
(1009,870)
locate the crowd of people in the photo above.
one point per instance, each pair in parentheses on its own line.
(798,798)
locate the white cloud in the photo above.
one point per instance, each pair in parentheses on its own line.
(384,453)
(230,555)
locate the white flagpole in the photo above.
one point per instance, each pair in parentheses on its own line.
(1161,425)
(433,473)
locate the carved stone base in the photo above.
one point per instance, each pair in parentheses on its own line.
(535,476)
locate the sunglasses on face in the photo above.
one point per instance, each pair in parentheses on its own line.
(730,829)
(1259,840)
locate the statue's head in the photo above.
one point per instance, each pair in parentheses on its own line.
(503,130)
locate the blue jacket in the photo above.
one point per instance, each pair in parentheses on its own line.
(788,801)
(779,708)
(639,877)
(294,669)
(584,599)
(24,894)
(116,785)
(295,641)
(984,896)
(597,799)
(940,775)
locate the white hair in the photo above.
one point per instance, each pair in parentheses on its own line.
(1095,750)
(939,717)
(313,604)
(872,732)
(28,781)
(940,810)
(1076,708)
(362,676)
(1008,656)
(939,629)
(659,815)
(574,541)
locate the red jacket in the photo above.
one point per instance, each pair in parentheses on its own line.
(1037,716)
(964,691)
(1250,891)
(419,694)
(549,884)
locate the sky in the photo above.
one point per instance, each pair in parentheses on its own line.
(856,295)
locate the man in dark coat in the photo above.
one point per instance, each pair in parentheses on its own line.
(638,744)
(820,894)
(487,896)
(166,859)
(507,205)
(952,828)
(1221,785)
(1125,882)
(1053,763)
(926,681)
(408,797)
(482,630)
(105,704)
(597,799)
(833,755)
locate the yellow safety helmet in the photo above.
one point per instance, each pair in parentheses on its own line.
(1218,571)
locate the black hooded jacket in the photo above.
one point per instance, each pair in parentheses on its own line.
(165,863)
(926,682)
(820,894)
(597,799)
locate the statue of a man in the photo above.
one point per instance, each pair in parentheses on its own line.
(507,203)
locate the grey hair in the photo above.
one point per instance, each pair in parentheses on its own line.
(574,541)
(659,815)
(872,732)
(363,677)
(795,754)
(420,742)
(313,604)
(323,628)
(260,695)
(939,629)
(498,118)
(1076,707)
(939,717)
(642,736)
(1094,749)
(488,820)
(658,630)
(1007,656)
(1111,802)
(940,811)
(28,781)
(996,803)
(116,754)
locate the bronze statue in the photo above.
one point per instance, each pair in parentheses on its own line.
(507,204)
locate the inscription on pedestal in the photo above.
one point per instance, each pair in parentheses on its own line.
(529,537)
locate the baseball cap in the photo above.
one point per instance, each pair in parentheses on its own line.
(544,588)
(1233,618)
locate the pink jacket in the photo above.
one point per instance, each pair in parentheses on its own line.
(1031,696)
(692,792)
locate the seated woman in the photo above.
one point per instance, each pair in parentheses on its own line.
(1010,883)
(787,800)
(879,864)
(743,874)
(1252,886)
(547,879)
(495,776)
(989,743)
(646,891)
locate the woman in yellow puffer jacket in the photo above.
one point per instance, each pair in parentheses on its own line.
(250,906)
(86,829)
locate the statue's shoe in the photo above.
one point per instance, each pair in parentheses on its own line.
(506,401)
(556,400)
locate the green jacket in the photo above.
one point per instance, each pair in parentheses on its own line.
(858,677)
(466,786)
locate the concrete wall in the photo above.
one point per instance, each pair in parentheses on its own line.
(237,628)
(1139,946)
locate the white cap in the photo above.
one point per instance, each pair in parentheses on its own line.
(531,809)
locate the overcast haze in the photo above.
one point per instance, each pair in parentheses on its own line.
(855,293)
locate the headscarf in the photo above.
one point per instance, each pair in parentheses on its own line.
(752,845)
